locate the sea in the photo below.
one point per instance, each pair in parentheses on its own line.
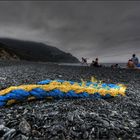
(121,65)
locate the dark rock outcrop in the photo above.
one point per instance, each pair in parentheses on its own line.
(7,55)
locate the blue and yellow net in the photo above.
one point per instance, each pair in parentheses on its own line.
(59,89)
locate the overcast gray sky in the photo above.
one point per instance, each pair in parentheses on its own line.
(108,30)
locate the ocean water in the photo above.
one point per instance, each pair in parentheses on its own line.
(121,65)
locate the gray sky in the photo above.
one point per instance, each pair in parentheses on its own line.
(108,30)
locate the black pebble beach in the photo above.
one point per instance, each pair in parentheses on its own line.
(116,118)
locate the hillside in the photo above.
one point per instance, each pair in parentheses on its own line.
(7,55)
(35,51)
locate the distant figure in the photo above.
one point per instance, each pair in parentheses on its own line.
(92,63)
(116,65)
(84,61)
(96,63)
(112,66)
(135,60)
(130,64)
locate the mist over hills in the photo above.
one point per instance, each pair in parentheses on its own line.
(34,51)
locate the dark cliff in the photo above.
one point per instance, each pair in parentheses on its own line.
(35,51)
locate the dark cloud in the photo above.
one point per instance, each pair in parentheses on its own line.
(109,30)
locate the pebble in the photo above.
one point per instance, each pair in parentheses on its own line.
(85,135)
(25,127)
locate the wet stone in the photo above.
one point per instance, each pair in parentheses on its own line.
(25,127)
(21,137)
(6,133)
(105,123)
(86,135)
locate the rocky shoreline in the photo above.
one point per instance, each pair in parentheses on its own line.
(116,118)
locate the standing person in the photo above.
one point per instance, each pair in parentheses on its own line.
(135,60)
(84,61)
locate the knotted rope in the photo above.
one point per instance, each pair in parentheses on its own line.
(59,89)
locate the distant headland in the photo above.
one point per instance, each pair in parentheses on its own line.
(14,49)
